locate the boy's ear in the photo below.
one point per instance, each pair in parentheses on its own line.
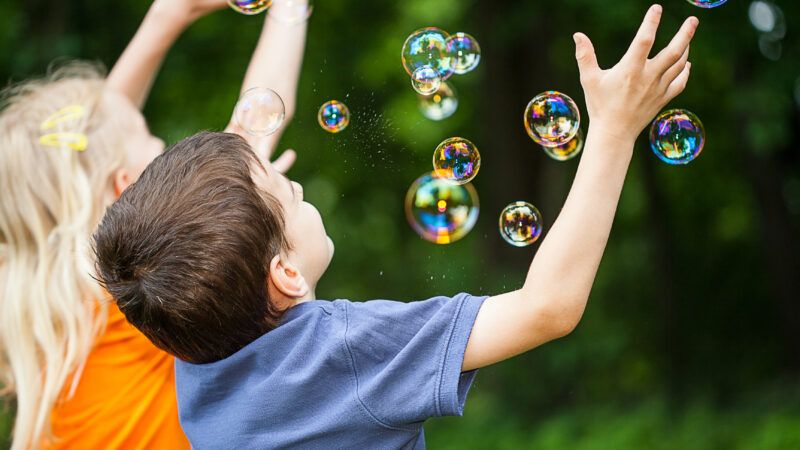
(287,279)
(121,180)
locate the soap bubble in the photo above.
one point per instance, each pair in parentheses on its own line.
(552,119)
(249,7)
(456,159)
(260,111)
(768,18)
(520,224)
(426,47)
(707,3)
(677,136)
(566,151)
(291,11)
(441,211)
(334,116)
(770,47)
(465,51)
(440,105)
(426,80)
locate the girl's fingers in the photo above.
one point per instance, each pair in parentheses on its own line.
(285,161)
(679,84)
(584,54)
(676,68)
(645,37)
(673,52)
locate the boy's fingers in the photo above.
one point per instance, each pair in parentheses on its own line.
(673,52)
(679,84)
(584,54)
(646,36)
(285,161)
(676,68)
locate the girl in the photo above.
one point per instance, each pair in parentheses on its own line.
(70,143)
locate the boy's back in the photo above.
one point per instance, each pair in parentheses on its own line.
(335,375)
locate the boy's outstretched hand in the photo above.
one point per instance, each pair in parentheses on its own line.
(621,101)
(625,98)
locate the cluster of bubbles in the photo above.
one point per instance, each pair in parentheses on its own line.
(520,224)
(260,111)
(440,210)
(677,136)
(288,11)
(431,56)
(333,116)
(707,3)
(442,206)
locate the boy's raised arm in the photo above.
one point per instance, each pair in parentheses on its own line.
(134,72)
(276,64)
(621,101)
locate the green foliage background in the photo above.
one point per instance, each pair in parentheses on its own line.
(691,339)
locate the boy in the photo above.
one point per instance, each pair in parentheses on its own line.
(215,256)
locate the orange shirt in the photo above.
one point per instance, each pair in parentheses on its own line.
(125,398)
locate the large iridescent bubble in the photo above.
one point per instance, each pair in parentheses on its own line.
(465,51)
(426,80)
(707,3)
(260,111)
(291,11)
(520,224)
(677,136)
(566,151)
(426,47)
(441,104)
(333,116)
(441,211)
(249,7)
(456,159)
(552,119)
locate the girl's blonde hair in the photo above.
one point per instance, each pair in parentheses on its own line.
(51,198)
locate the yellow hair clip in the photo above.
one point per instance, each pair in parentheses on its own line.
(66,114)
(75,141)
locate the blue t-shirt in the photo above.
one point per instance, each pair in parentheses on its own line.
(334,375)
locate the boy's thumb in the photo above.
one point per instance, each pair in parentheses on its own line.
(584,54)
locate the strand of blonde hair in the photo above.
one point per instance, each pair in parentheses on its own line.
(51,198)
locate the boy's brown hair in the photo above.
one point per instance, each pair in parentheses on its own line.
(185,250)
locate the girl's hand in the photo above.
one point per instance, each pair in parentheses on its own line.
(622,100)
(189,10)
(262,146)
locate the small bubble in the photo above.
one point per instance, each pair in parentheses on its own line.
(552,119)
(677,136)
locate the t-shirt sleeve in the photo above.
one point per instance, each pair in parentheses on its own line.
(407,357)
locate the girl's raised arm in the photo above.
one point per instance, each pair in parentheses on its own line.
(136,69)
(276,64)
